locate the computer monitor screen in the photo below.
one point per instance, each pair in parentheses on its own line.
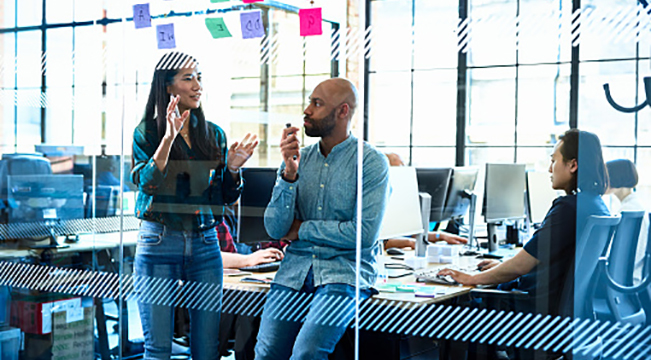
(504,192)
(402,214)
(435,182)
(45,197)
(462,184)
(540,195)
(256,194)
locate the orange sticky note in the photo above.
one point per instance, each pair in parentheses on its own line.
(310,21)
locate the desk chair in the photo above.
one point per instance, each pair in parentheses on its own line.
(611,304)
(578,292)
(642,289)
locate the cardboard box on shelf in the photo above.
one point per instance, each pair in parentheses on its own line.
(67,341)
(33,315)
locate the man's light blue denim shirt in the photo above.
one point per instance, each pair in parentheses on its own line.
(325,198)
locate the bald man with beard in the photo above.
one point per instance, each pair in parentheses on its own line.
(314,204)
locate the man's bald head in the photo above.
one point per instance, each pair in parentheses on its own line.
(341,91)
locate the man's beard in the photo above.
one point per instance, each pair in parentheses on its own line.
(322,127)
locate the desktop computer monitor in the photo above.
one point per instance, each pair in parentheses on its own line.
(402,214)
(503,197)
(462,184)
(435,182)
(256,194)
(45,197)
(540,196)
(40,202)
(504,192)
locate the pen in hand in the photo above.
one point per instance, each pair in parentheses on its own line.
(288,125)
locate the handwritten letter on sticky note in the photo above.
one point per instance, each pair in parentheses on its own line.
(310,21)
(251,24)
(141,16)
(165,36)
(217,28)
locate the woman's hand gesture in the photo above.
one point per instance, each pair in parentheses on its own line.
(240,152)
(175,122)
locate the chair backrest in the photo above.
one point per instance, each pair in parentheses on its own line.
(621,256)
(624,308)
(578,292)
(28,165)
(105,198)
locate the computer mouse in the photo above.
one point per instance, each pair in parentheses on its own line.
(395,251)
(447,279)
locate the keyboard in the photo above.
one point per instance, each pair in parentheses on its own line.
(431,274)
(267,267)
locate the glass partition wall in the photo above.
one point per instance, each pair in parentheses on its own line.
(127,236)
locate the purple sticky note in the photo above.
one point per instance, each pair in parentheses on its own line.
(141,16)
(310,21)
(165,36)
(251,1)
(251,22)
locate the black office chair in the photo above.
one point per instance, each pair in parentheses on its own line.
(641,289)
(611,304)
(577,296)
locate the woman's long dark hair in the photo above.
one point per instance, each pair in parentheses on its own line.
(202,137)
(585,147)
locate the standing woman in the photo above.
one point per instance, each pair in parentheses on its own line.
(185,175)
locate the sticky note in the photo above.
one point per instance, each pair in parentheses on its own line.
(251,1)
(217,28)
(251,22)
(141,16)
(165,36)
(310,21)
(218,1)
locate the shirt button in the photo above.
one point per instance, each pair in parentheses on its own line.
(320,208)
(287,206)
(313,256)
(291,188)
(326,164)
(322,186)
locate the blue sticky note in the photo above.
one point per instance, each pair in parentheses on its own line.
(141,16)
(251,22)
(165,36)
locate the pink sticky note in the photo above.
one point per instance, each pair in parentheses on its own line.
(251,1)
(310,21)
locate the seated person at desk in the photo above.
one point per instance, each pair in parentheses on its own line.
(623,180)
(542,266)
(433,236)
(314,205)
(244,329)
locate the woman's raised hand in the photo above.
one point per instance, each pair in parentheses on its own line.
(240,152)
(175,121)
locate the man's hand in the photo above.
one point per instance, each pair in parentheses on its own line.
(290,148)
(487,264)
(458,276)
(264,256)
(447,237)
(292,234)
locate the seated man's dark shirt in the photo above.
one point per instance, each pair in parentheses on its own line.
(554,247)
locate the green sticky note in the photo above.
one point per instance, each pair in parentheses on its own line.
(216,1)
(217,28)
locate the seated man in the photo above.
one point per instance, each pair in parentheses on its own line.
(314,205)
(542,267)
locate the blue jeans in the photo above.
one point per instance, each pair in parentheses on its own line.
(179,268)
(328,315)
